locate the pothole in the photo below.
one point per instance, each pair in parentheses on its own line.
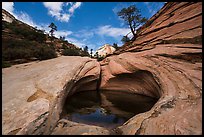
(108,109)
(83,107)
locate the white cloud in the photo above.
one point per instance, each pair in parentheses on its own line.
(107,30)
(53,6)
(118,8)
(81,43)
(80,38)
(8,6)
(67,3)
(65,17)
(76,42)
(64,33)
(24,17)
(74,7)
(83,37)
(55,9)
(84,33)
(153,7)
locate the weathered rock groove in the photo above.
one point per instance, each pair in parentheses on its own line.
(163,62)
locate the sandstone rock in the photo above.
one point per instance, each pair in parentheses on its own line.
(37,89)
(169,49)
(105,50)
(66,127)
(7,16)
(164,62)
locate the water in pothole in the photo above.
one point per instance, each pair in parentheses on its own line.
(107,109)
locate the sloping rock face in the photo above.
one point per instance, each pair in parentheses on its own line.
(33,94)
(164,62)
(167,58)
(66,127)
(105,50)
(7,16)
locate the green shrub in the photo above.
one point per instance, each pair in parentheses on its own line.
(25,31)
(84,53)
(23,49)
(44,52)
(64,46)
(17,49)
(71,52)
(5,64)
(100,58)
(17,53)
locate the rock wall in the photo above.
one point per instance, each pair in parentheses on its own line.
(34,93)
(169,46)
(7,16)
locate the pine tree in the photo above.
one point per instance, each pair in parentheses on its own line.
(132,18)
(53,28)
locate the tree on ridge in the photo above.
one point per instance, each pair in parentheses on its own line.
(132,18)
(53,28)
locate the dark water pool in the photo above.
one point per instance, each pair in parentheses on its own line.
(107,109)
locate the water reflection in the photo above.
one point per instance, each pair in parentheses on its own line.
(105,108)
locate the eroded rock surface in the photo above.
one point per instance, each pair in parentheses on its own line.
(169,46)
(34,93)
(164,62)
(66,127)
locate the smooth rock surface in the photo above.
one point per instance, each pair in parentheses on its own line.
(169,46)
(66,127)
(165,62)
(33,92)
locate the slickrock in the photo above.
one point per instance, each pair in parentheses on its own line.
(164,62)
(34,93)
(105,50)
(66,127)
(166,59)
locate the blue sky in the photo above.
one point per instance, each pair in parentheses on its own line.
(91,24)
